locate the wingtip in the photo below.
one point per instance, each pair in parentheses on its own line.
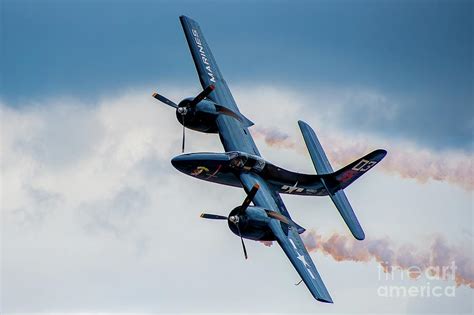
(383,151)
(304,126)
(360,236)
(185,17)
(154,94)
(329,300)
(378,154)
(325,298)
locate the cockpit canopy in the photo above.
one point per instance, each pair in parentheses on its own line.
(245,161)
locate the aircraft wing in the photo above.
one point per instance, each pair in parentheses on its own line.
(206,65)
(293,247)
(233,132)
(287,237)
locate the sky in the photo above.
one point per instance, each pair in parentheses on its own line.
(94,217)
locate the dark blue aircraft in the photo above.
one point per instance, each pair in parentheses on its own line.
(215,111)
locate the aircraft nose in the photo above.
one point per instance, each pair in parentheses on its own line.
(179,162)
(185,163)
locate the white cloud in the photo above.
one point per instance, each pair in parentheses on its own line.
(94,217)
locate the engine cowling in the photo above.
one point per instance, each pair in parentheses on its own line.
(201,117)
(199,113)
(253,223)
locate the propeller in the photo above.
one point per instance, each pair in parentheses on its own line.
(202,95)
(280,217)
(213,216)
(184,107)
(184,134)
(249,198)
(242,241)
(163,99)
(235,219)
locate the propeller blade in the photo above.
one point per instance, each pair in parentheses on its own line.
(249,198)
(213,216)
(163,99)
(279,217)
(225,111)
(243,247)
(184,135)
(202,95)
(242,241)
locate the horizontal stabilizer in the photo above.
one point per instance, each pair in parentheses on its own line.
(319,158)
(335,182)
(347,214)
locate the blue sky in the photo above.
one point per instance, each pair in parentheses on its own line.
(94,218)
(417,52)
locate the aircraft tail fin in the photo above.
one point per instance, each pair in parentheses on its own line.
(335,182)
(345,176)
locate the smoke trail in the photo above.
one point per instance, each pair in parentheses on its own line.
(408,162)
(406,257)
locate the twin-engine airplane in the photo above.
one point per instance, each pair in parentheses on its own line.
(215,111)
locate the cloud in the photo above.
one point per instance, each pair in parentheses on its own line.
(117,215)
(95,164)
(93,211)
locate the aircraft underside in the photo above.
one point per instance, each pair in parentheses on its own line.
(214,110)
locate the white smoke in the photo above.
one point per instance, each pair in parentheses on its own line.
(406,160)
(391,256)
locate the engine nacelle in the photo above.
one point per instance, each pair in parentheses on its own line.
(253,224)
(201,117)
